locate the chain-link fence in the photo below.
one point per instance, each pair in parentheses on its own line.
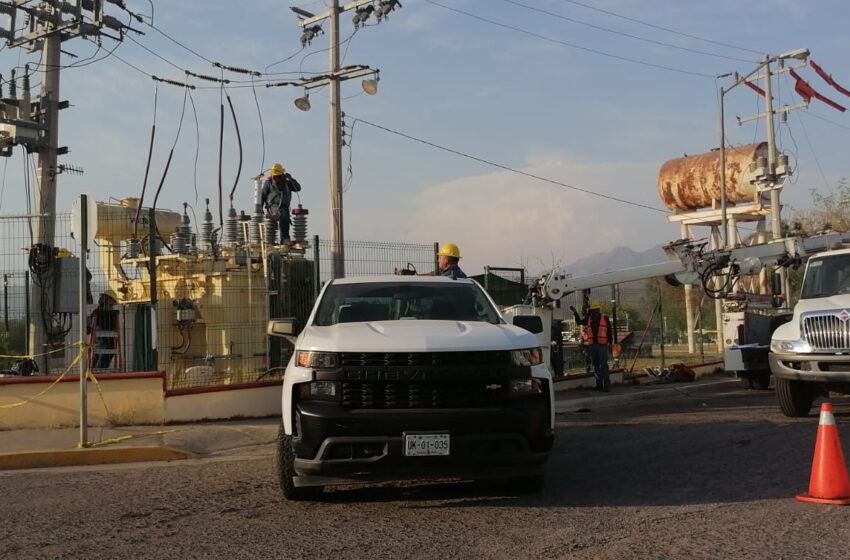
(212,300)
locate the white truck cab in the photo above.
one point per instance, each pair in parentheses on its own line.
(810,355)
(399,377)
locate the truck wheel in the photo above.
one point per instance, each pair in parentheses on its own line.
(286,471)
(795,397)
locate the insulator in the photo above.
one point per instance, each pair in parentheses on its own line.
(231,228)
(243,219)
(134,248)
(193,245)
(254,228)
(178,244)
(207,227)
(271,229)
(299,224)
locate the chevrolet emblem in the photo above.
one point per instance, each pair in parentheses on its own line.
(493,387)
(844,315)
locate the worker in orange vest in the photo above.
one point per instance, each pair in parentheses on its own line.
(598,328)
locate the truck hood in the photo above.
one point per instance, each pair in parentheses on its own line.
(416,336)
(834,304)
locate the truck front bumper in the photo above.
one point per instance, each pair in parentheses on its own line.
(816,368)
(333,444)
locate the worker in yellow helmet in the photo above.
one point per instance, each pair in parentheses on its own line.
(277,196)
(598,329)
(447,261)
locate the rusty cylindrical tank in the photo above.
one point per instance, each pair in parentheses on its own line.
(693,182)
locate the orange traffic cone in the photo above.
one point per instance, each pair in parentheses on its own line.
(830,483)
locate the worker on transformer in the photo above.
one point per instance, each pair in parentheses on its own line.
(447,261)
(276,197)
(598,329)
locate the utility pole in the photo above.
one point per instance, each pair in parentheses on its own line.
(364,9)
(45,193)
(335,131)
(776,169)
(36,127)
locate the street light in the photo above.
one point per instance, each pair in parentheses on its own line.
(303,103)
(370,86)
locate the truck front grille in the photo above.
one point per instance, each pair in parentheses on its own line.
(454,359)
(826,332)
(424,394)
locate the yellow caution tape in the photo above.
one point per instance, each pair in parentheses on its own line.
(49,387)
(119,439)
(33,356)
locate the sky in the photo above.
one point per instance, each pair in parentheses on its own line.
(526,90)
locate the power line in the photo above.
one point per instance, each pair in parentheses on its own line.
(814,153)
(824,119)
(568,44)
(623,34)
(661,28)
(508,168)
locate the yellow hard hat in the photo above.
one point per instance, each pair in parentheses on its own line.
(276,170)
(595,305)
(63,253)
(449,250)
(111,294)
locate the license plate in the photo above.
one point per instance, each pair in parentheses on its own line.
(423,445)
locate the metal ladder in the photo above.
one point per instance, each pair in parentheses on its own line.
(115,364)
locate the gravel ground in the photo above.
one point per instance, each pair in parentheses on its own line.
(708,475)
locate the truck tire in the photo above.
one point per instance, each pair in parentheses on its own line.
(795,397)
(285,466)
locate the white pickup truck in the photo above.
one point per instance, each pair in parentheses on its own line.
(411,377)
(810,355)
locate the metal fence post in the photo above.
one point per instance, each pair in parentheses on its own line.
(436,258)
(27,305)
(487,279)
(6,300)
(152,233)
(317,273)
(84,352)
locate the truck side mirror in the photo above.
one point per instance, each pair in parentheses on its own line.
(531,323)
(285,326)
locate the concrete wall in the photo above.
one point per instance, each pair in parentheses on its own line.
(132,398)
(245,401)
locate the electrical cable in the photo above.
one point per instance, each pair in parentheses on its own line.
(281,61)
(220,159)
(816,116)
(667,29)
(511,169)
(148,164)
(262,128)
(326,49)
(239,141)
(28,189)
(171,152)
(568,44)
(814,153)
(623,34)
(197,143)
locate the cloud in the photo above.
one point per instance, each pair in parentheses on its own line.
(506,219)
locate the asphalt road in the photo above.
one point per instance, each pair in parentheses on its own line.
(703,475)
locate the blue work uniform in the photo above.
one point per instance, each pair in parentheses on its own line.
(454,272)
(276,197)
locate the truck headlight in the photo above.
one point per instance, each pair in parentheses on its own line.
(310,359)
(525,386)
(530,357)
(320,390)
(790,346)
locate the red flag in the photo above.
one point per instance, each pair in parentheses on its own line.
(755,88)
(828,78)
(807,92)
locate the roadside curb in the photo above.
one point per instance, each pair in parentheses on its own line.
(604,401)
(89,456)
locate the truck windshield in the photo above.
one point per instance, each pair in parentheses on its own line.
(397,301)
(827,276)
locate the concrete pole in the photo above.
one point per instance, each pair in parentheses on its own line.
(723,202)
(689,302)
(718,303)
(84,361)
(337,235)
(775,206)
(45,194)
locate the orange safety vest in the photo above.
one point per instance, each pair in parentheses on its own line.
(602,335)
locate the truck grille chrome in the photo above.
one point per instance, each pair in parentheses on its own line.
(827,331)
(464,394)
